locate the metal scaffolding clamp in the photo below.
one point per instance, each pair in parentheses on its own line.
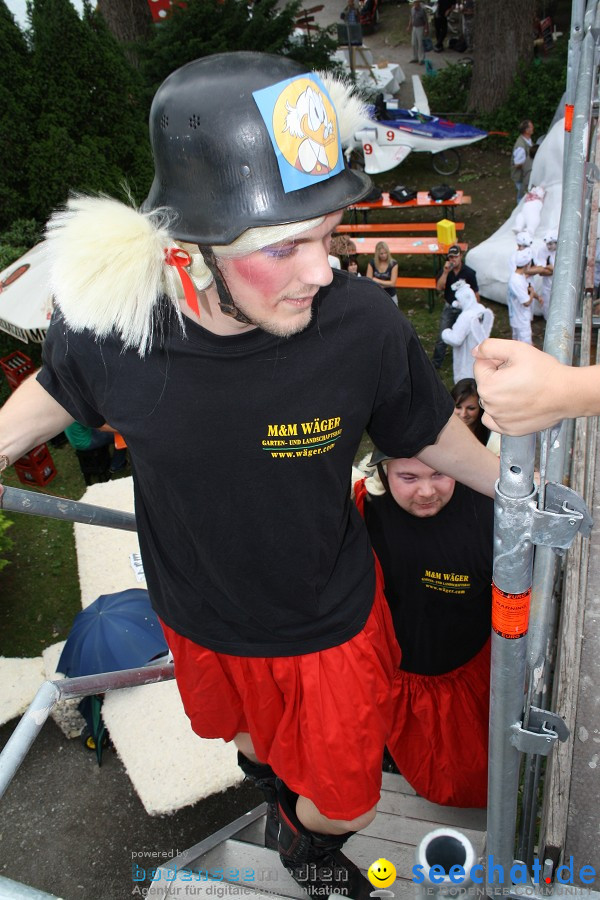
(543,730)
(564,514)
(592,172)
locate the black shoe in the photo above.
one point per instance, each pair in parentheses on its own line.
(315,861)
(264,778)
(438,49)
(388,764)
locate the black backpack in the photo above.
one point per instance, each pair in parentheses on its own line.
(459,44)
(442,192)
(401,194)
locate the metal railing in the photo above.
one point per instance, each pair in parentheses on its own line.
(49,694)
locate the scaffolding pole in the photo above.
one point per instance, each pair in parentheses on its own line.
(523,595)
(513,564)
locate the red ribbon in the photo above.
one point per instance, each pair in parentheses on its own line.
(175,256)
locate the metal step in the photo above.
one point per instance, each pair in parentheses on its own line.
(234,863)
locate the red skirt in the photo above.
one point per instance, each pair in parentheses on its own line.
(439,738)
(320,720)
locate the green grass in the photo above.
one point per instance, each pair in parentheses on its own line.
(40,587)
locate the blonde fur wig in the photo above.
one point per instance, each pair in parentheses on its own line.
(350,108)
(108,267)
(373,483)
(258,238)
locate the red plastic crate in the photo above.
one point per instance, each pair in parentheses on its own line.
(36,467)
(16,367)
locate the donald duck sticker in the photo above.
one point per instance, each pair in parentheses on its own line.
(302,125)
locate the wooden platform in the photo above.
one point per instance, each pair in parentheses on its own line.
(233,862)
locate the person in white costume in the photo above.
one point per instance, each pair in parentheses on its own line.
(530,211)
(473,325)
(520,296)
(490,258)
(543,265)
(524,242)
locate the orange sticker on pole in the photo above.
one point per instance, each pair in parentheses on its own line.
(510,613)
(569,110)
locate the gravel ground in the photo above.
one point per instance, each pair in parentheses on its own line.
(75,830)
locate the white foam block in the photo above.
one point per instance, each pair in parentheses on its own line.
(169,766)
(20,679)
(103,554)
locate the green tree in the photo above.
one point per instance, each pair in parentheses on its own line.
(203,27)
(90,131)
(17,240)
(16,125)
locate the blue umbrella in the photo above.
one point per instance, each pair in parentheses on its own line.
(116,631)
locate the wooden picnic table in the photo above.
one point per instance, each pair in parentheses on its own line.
(427,245)
(421,201)
(405,246)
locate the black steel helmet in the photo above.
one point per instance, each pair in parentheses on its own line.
(224,166)
(377,457)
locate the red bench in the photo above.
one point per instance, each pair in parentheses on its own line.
(428,284)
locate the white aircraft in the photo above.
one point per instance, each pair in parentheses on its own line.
(391,133)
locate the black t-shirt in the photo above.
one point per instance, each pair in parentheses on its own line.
(386,275)
(467,274)
(438,575)
(443,7)
(241,449)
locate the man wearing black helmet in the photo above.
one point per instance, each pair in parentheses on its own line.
(209,330)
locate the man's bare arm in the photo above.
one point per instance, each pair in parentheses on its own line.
(29,417)
(458,453)
(443,276)
(524,390)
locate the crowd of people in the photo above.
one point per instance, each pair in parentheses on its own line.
(311,631)
(450,22)
(457,18)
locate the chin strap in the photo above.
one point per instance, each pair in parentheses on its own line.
(226,302)
(384,479)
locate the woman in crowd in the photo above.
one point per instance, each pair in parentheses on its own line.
(350,264)
(467,407)
(383,269)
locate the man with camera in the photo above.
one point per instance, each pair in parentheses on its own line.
(453,270)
